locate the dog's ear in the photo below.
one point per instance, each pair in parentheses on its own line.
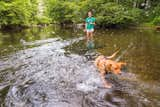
(110,65)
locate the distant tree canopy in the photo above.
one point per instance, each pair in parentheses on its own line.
(107,12)
(17,12)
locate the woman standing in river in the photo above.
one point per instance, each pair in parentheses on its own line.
(89,29)
(89,26)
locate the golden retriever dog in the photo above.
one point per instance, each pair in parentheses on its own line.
(106,65)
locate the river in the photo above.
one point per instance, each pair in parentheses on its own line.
(53,67)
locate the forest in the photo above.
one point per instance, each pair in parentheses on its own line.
(108,13)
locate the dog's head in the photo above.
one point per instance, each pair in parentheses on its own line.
(116,67)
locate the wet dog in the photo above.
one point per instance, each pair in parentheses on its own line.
(106,65)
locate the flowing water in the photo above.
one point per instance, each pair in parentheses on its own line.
(53,67)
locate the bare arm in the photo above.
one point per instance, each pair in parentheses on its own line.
(94,23)
(85,25)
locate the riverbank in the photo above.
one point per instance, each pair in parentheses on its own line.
(79,26)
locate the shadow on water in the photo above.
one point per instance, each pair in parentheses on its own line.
(52,67)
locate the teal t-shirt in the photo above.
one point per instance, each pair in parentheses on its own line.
(90,20)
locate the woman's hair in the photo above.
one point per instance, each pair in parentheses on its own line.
(89,11)
(86,15)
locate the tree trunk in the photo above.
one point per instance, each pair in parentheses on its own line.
(117,1)
(147,4)
(135,3)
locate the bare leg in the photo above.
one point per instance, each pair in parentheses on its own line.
(91,35)
(87,36)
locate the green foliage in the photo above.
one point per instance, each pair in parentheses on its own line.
(106,12)
(156,20)
(63,12)
(42,20)
(154,15)
(17,12)
(114,14)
